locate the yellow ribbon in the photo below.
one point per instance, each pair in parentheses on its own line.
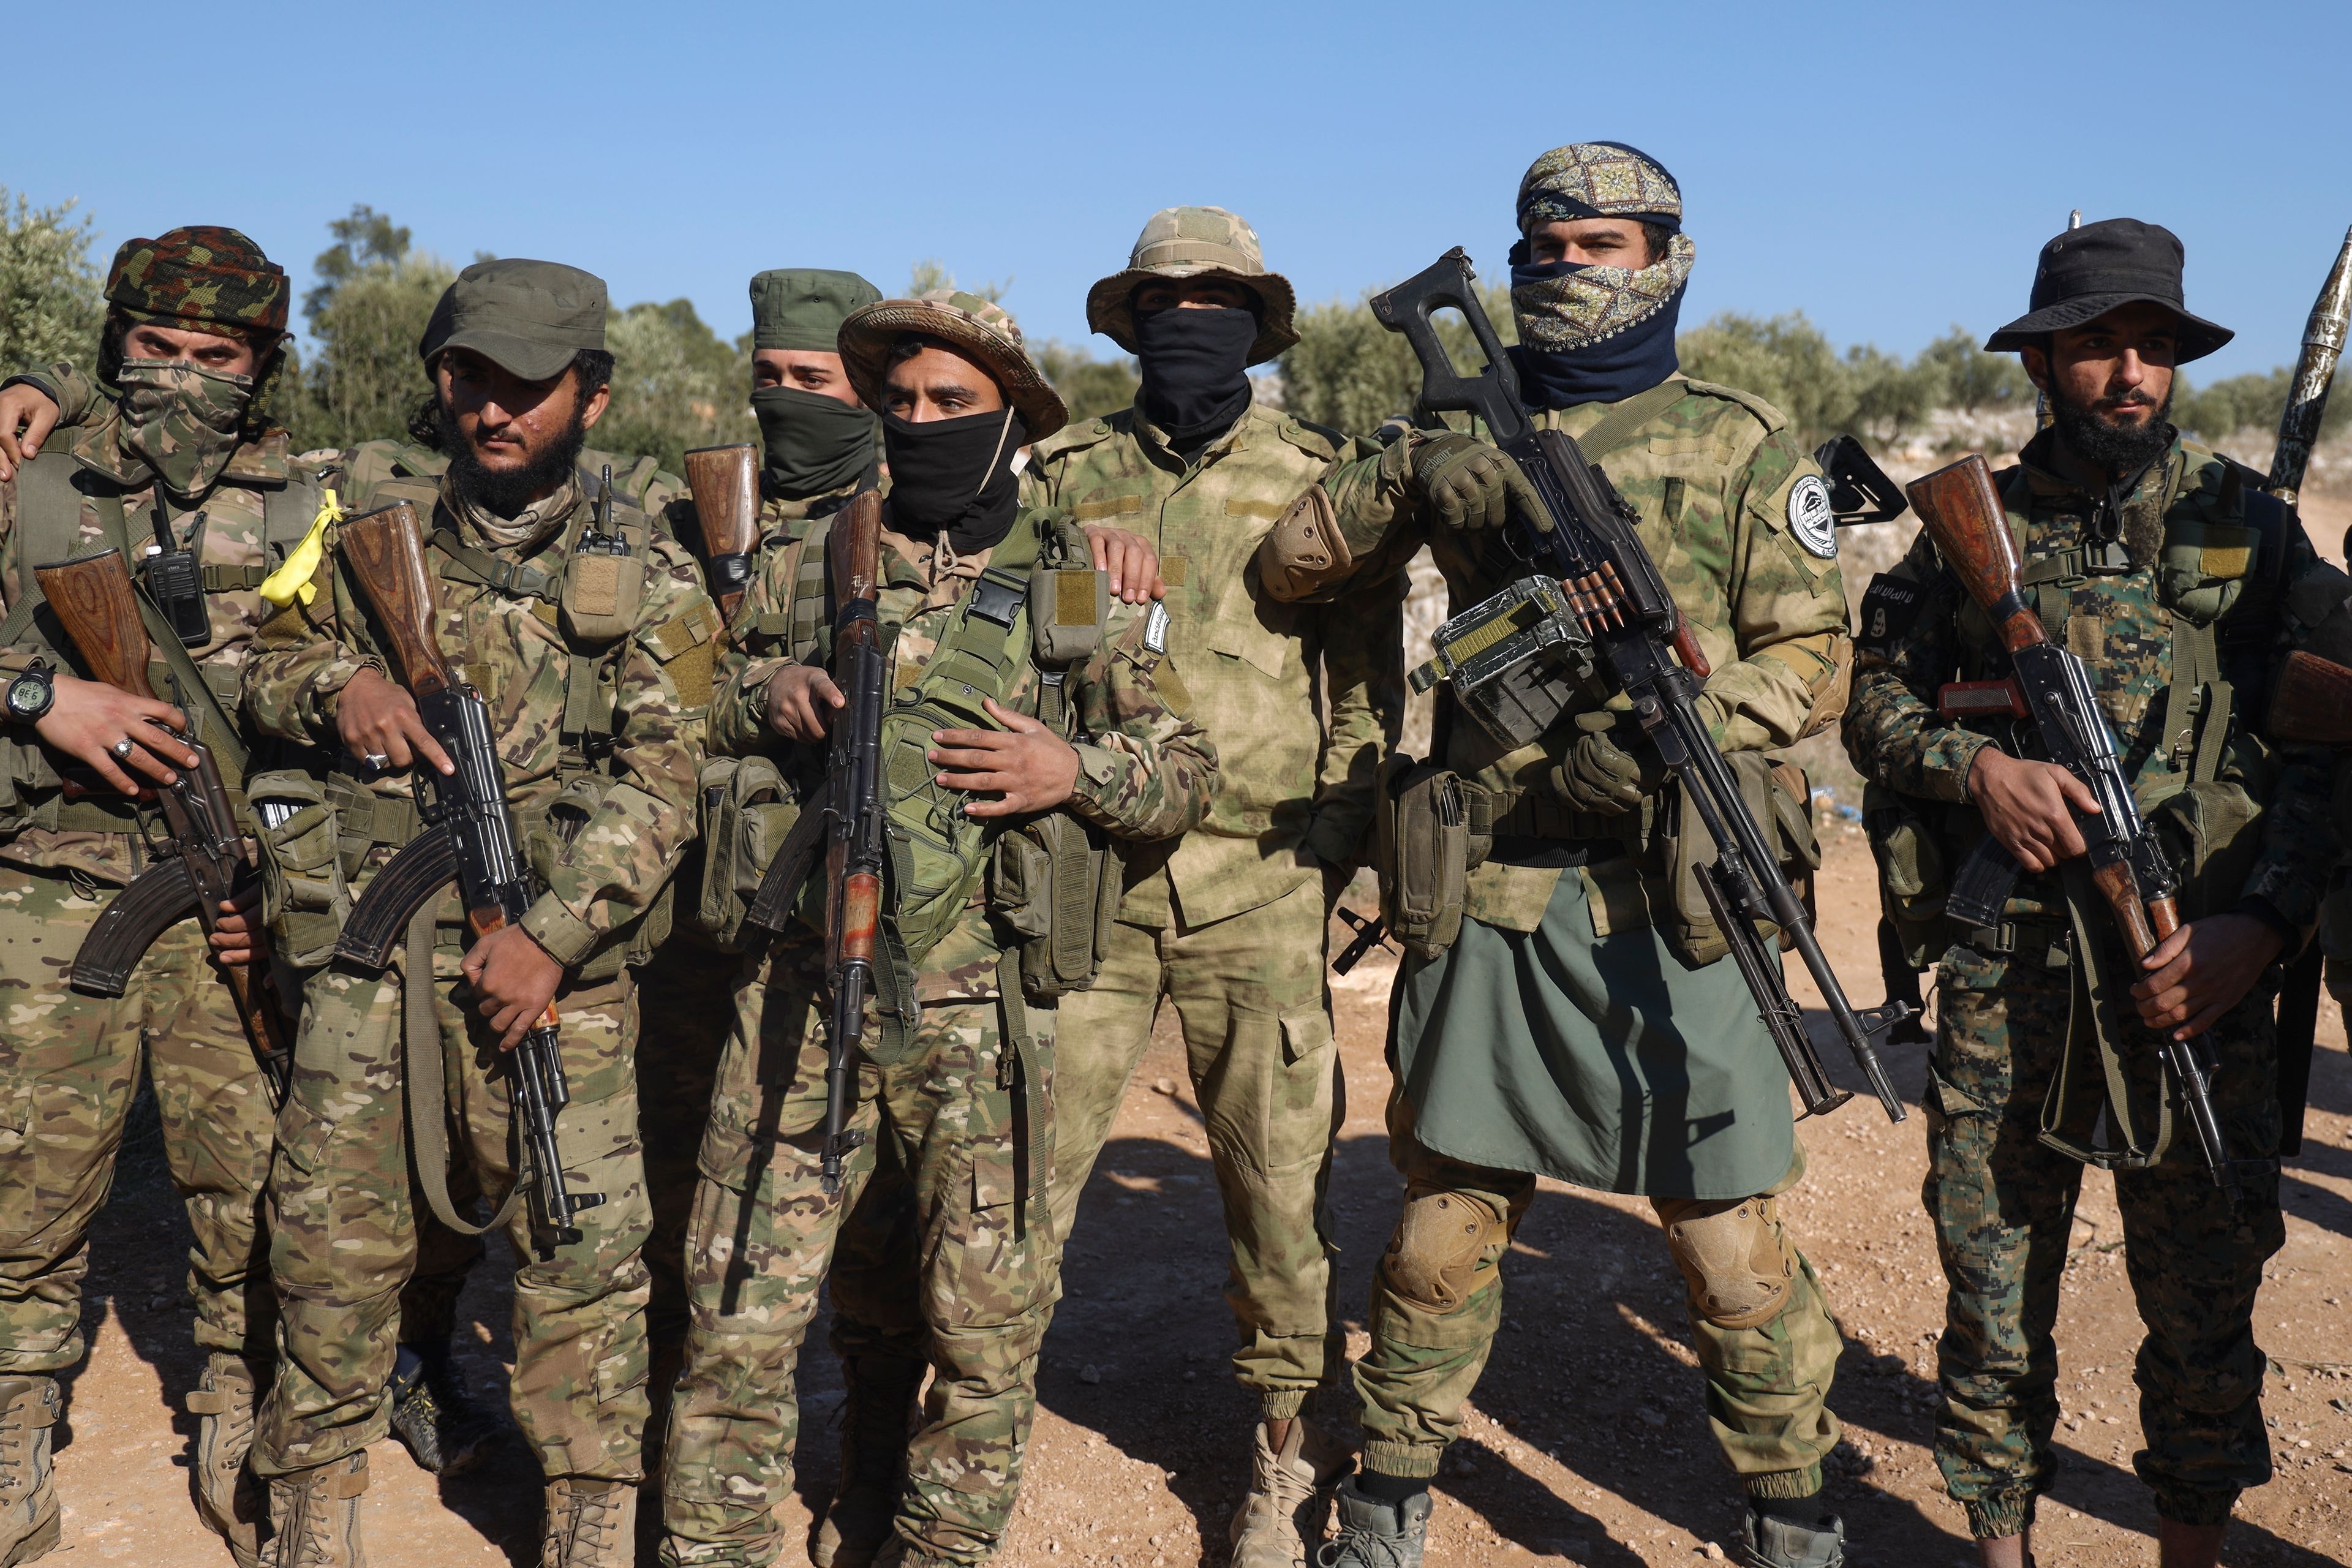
(292,580)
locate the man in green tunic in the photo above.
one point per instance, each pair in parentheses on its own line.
(1573,1028)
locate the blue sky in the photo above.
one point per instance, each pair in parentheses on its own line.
(1887,169)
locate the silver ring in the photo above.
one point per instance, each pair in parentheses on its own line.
(377,760)
(123,748)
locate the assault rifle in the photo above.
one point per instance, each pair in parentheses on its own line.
(2051,687)
(468,837)
(849,818)
(204,861)
(725,481)
(1595,583)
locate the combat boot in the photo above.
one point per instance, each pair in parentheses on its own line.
(1767,1541)
(434,1414)
(591,1524)
(316,1513)
(1281,1522)
(30,1406)
(876,1418)
(1374,1534)
(228,1499)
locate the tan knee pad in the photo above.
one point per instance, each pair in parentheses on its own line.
(1737,1262)
(1306,553)
(1435,1251)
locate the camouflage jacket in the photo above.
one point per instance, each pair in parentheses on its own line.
(511,648)
(1146,768)
(2122,608)
(225,530)
(1299,698)
(1719,485)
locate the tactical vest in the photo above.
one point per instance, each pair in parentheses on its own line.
(50,493)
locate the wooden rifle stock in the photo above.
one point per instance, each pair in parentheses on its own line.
(385,549)
(1963,514)
(854,554)
(2313,703)
(725,483)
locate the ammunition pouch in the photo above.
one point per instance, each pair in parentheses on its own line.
(1068,608)
(306,884)
(1427,843)
(603,590)
(1913,877)
(1779,799)
(1054,884)
(747,810)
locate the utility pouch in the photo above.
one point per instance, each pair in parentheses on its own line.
(747,810)
(2213,833)
(2204,566)
(305,896)
(1068,607)
(603,585)
(1422,821)
(1777,796)
(1912,879)
(938,856)
(1054,884)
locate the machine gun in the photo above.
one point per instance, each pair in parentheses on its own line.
(1595,603)
(725,482)
(204,862)
(469,835)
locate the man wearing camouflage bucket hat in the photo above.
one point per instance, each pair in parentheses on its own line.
(597,684)
(1582,953)
(1033,715)
(175,454)
(1229,921)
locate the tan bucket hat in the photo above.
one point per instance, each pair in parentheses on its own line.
(981,328)
(1196,242)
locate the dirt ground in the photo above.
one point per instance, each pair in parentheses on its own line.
(1588,1445)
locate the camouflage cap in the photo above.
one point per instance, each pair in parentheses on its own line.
(803,307)
(1196,242)
(971,325)
(528,317)
(215,279)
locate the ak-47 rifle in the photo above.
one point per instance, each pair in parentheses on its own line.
(725,481)
(849,818)
(2051,687)
(204,861)
(470,833)
(1596,584)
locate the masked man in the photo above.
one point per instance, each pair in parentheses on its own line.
(597,682)
(1580,959)
(2178,582)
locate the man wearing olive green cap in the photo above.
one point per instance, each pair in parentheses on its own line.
(1228,921)
(597,684)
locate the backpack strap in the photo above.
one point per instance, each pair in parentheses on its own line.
(1620,423)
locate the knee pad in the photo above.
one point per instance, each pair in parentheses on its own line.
(1737,1262)
(1306,553)
(1435,1251)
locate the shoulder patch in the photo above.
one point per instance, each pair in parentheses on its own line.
(1888,610)
(1811,518)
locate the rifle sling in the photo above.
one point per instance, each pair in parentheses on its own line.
(1619,425)
(427,1094)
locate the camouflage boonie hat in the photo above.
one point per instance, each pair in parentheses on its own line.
(528,317)
(803,307)
(1196,242)
(965,322)
(213,279)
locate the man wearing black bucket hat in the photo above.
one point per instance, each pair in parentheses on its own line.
(2164,567)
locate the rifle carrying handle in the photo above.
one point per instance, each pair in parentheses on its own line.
(1961,508)
(93,600)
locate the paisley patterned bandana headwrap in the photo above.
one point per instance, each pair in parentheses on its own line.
(1597,333)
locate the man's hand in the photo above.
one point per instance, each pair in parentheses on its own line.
(1601,777)
(1132,563)
(27,417)
(239,940)
(88,718)
(377,719)
(1034,768)
(801,702)
(1469,484)
(2203,970)
(514,978)
(2025,806)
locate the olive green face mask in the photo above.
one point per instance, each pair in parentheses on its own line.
(810,444)
(182,420)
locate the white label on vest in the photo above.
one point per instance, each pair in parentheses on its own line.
(1155,628)
(1811,518)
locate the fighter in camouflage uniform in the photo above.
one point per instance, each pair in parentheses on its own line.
(2164,567)
(517,351)
(959,1096)
(1228,923)
(1576,963)
(194,325)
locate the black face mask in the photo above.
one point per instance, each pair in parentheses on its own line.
(810,444)
(1195,382)
(954,477)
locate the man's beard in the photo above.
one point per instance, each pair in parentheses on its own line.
(505,492)
(2122,449)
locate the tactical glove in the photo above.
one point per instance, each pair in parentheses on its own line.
(1598,776)
(1469,484)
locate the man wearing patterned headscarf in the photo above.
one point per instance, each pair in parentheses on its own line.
(1585,1024)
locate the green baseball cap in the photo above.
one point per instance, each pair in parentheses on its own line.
(528,317)
(803,307)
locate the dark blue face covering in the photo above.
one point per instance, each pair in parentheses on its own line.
(1610,371)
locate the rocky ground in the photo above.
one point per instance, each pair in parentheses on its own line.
(1588,1445)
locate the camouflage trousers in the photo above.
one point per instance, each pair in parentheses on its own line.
(1249,993)
(1767,1387)
(934,1210)
(344,1224)
(2003,1205)
(68,1066)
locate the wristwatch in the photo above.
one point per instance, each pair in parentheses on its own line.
(30,694)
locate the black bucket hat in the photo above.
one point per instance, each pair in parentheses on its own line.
(2086,272)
